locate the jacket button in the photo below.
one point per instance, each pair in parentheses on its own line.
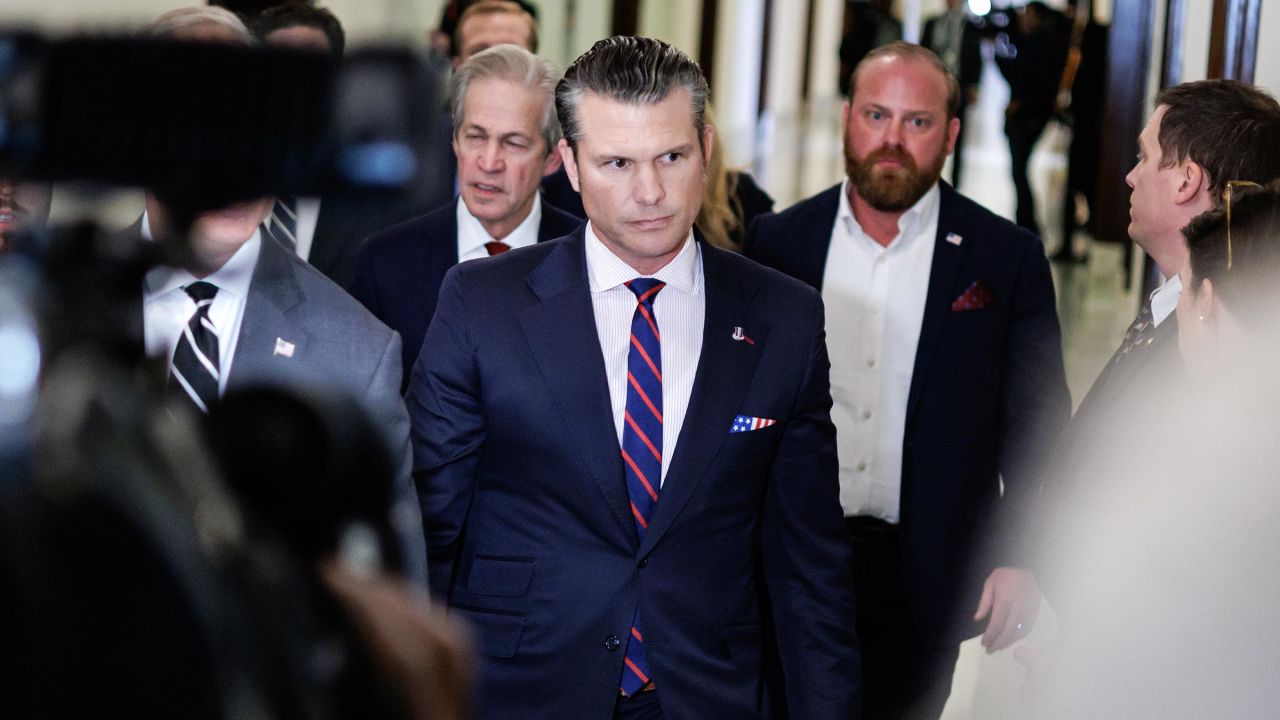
(644,563)
(612,643)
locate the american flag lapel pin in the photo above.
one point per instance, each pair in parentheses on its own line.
(954,239)
(284,348)
(740,336)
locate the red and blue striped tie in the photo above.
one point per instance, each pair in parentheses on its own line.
(642,446)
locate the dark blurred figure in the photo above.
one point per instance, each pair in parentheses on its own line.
(24,209)
(303,26)
(1085,114)
(250,8)
(954,39)
(868,24)
(1035,56)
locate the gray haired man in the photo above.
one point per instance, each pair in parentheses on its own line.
(622,438)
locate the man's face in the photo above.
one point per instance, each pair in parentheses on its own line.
(501,153)
(896,132)
(640,170)
(23,205)
(215,235)
(300,37)
(482,32)
(1154,216)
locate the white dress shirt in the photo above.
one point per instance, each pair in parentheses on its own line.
(1164,299)
(680,312)
(167,308)
(874,299)
(472,236)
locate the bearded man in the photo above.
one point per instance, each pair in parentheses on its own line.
(946,374)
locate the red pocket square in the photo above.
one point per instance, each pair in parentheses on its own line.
(976,297)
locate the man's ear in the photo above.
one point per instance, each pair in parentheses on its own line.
(552,163)
(708,141)
(570,163)
(1204,300)
(1193,181)
(953,132)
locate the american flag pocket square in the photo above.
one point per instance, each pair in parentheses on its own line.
(746,423)
(976,297)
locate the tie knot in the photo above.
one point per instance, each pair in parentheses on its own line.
(201,291)
(496,247)
(646,289)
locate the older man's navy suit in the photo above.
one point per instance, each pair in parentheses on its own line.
(744,566)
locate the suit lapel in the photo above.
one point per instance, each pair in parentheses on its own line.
(812,238)
(948,259)
(561,331)
(273,292)
(725,368)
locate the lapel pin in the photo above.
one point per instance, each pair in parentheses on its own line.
(954,239)
(739,336)
(284,348)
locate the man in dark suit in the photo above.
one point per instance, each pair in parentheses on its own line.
(947,378)
(959,45)
(505,137)
(623,446)
(239,309)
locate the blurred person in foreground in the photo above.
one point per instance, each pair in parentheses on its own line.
(947,377)
(505,135)
(1167,580)
(24,209)
(623,442)
(241,309)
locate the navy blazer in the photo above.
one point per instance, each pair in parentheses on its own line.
(745,563)
(988,396)
(399,270)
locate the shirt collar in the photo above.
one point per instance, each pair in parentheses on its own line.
(606,271)
(1164,299)
(234,277)
(916,217)
(472,235)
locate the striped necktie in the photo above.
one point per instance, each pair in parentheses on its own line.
(282,223)
(194,373)
(642,447)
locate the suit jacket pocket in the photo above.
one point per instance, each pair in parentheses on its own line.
(744,644)
(500,576)
(497,634)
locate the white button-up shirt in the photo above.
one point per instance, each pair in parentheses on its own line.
(472,236)
(875,298)
(167,308)
(680,312)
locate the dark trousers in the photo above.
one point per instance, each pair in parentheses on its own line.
(641,706)
(1023,132)
(904,676)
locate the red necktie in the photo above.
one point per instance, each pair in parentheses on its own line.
(497,247)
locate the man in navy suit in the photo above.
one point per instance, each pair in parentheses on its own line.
(947,377)
(505,134)
(623,446)
(265,315)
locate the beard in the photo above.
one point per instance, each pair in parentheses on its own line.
(890,189)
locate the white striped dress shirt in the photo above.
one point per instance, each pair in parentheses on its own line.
(679,309)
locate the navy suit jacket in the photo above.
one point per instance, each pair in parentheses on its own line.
(988,397)
(399,271)
(336,342)
(745,563)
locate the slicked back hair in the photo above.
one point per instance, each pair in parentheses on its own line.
(908,51)
(1227,127)
(630,70)
(514,65)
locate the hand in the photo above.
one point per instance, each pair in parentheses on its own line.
(1011,598)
